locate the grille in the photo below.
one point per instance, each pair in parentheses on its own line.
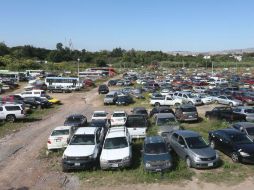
(78,158)
(208,159)
(115,161)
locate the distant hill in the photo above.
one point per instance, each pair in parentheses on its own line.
(233,51)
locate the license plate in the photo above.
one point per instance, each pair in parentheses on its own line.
(157,170)
(190,116)
(114,165)
(58,140)
(210,164)
(77,164)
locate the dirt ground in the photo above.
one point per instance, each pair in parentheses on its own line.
(21,168)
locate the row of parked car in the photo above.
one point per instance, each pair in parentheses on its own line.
(16,106)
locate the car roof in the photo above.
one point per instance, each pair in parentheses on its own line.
(154,139)
(86,130)
(75,115)
(116,132)
(119,112)
(245,124)
(187,133)
(165,115)
(230,131)
(61,128)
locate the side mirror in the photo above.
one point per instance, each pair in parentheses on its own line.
(241,129)
(182,146)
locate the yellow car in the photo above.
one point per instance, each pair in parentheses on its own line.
(53,100)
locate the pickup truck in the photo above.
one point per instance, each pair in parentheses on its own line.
(166,101)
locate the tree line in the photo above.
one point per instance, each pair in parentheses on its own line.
(63,57)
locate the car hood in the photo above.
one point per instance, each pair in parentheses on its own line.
(204,152)
(79,150)
(72,123)
(249,148)
(168,128)
(115,154)
(156,157)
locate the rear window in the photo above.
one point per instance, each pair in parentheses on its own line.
(60,132)
(136,122)
(119,115)
(100,115)
(189,109)
(12,108)
(155,148)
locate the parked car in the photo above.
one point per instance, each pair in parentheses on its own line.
(141,111)
(155,155)
(199,89)
(245,110)
(117,149)
(76,121)
(224,113)
(191,147)
(59,137)
(161,109)
(118,118)
(166,101)
(124,100)
(186,112)
(228,100)
(83,150)
(137,125)
(188,98)
(246,97)
(99,115)
(233,143)
(37,102)
(110,98)
(12,112)
(32,93)
(205,98)
(103,89)
(245,127)
(112,82)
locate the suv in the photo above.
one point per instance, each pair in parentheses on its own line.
(103,89)
(141,111)
(37,102)
(37,93)
(11,112)
(156,156)
(117,149)
(83,149)
(186,113)
(110,98)
(137,125)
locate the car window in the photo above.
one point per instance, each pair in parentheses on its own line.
(115,143)
(185,96)
(175,137)
(155,148)
(82,140)
(12,108)
(168,98)
(249,111)
(119,115)
(60,132)
(250,130)
(240,139)
(196,142)
(237,110)
(181,141)
(1,108)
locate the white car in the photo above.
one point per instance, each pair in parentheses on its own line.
(118,118)
(205,98)
(32,93)
(99,115)
(83,149)
(59,137)
(11,111)
(165,92)
(117,149)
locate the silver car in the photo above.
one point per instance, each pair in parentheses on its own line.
(191,147)
(245,127)
(245,110)
(228,100)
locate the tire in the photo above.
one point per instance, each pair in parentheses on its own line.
(190,103)
(177,104)
(230,104)
(10,118)
(235,158)
(188,162)
(212,144)
(157,104)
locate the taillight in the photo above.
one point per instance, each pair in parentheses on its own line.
(49,142)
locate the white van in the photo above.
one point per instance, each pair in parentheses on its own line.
(32,93)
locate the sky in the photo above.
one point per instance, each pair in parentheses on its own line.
(94,25)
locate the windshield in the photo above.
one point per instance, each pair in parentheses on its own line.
(109,96)
(189,109)
(98,123)
(165,121)
(155,148)
(230,97)
(240,139)
(119,115)
(141,112)
(99,115)
(73,119)
(136,122)
(196,142)
(250,130)
(82,140)
(115,143)
(60,132)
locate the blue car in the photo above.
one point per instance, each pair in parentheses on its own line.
(156,156)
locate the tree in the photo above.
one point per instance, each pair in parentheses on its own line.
(4,50)
(59,46)
(101,63)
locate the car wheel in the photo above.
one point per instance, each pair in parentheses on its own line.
(235,157)
(212,144)
(177,104)
(157,104)
(188,162)
(216,102)
(190,103)
(230,104)
(10,118)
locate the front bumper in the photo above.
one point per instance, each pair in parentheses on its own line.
(205,164)
(77,164)
(158,168)
(115,165)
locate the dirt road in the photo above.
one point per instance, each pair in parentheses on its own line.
(20,167)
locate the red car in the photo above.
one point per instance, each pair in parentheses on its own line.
(88,82)
(244,97)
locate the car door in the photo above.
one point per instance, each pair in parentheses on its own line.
(2,116)
(173,140)
(221,99)
(226,144)
(181,147)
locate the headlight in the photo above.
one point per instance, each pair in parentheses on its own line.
(91,156)
(127,158)
(197,158)
(168,163)
(64,156)
(104,161)
(148,165)
(244,154)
